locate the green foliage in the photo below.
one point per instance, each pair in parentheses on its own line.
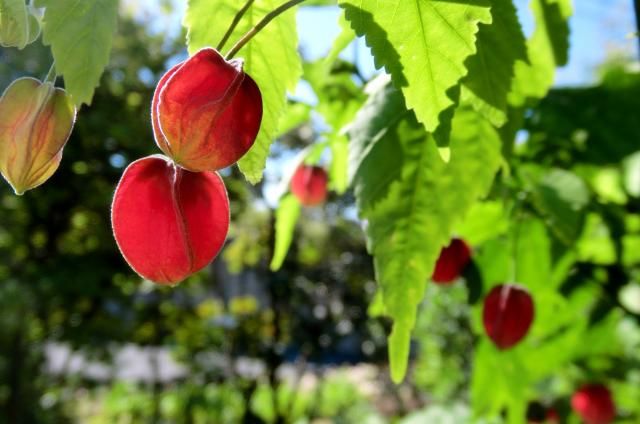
(422,44)
(286,217)
(561,219)
(632,174)
(413,202)
(270,58)
(339,99)
(491,69)
(80,35)
(547,49)
(585,124)
(561,197)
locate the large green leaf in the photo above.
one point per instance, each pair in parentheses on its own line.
(286,218)
(271,58)
(548,48)
(423,44)
(491,69)
(411,198)
(80,34)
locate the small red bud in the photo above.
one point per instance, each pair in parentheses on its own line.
(36,120)
(451,262)
(507,314)
(206,112)
(594,404)
(309,185)
(169,222)
(552,416)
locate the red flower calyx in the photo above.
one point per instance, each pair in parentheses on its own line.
(169,222)
(594,404)
(507,314)
(453,258)
(206,112)
(309,185)
(36,120)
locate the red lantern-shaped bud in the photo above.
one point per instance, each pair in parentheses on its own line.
(206,112)
(169,222)
(309,185)
(36,120)
(507,314)
(594,404)
(451,262)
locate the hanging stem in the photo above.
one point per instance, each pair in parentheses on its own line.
(256,29)
(234,24)
(51,75)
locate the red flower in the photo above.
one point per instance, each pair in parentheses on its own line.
(451,262)
(309,185)
(507,314)
(206,112)
(593,403)
(169,222)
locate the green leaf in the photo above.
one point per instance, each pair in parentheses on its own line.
(286,218)
(548,47)
(485,220)
(271,58)
(491,69)
(423,44)
(341,42)
(80,34)
(339,98)
(338,174)
(562,197)
(532,255)
(411,198)
(295,114)
(18,27)
(377,119)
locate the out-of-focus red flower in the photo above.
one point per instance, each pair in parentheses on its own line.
(309,185)
(507,314)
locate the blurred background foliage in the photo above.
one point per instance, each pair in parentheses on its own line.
(82,339)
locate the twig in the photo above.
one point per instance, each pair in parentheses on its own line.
(234,24)
(256,29)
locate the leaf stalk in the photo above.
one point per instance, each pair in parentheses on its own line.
(258,27)
(234,24)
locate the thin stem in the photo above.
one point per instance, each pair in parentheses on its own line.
(234,24)
(256,29)
(51,75)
